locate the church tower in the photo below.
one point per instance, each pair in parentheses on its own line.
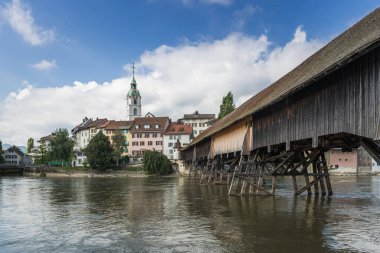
(133,99)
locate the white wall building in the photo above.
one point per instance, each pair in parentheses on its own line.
(82,134)
(174,133)
(15,156)
(199,122)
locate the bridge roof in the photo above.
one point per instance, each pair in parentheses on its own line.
(336,53)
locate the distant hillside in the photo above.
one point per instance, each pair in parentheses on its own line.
(6,146)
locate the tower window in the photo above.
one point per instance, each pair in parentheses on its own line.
(135,111)
(135,101)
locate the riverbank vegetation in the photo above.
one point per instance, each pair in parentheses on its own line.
(156,163)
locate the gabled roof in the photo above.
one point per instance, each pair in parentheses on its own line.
(119,125)
(176,129)
(47,138)
(154,124)
(95,123)
(197,115)
(16,150)
(335,54)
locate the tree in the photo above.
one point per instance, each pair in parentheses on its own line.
(156,163)
(61,146)
(119,144)
(227,105)
(41,153)
(2,160)
(99,152)
(29,145)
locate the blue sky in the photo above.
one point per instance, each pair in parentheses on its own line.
(77,52)
(93,39)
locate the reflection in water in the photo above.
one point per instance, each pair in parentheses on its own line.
(179,215)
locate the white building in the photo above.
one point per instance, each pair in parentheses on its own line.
(82,134)
(15,156)
(173,134)
(375,166)
(199,122)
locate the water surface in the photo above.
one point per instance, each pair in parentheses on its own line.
(179,215)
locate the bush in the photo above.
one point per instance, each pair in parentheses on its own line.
(156,163)
(99,152)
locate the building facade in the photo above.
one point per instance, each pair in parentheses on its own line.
(15,156)
(198,121)
(352,162)
(147,134)
(82,134)
(174,134)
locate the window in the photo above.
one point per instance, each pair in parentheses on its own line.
(135,111)
(93,131)
(154,135)
(170,144)
(139,135)
(195,132)
(79,161)
(171,151)
(171,137)
(135,102)
(135,143)
(340,159)
(150,143)
(147,135)
(346,160)
(157,126)
(158,143)
(142,143)
(194,124)
(137,126)
(146,126)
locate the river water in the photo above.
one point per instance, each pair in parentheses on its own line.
(179,215)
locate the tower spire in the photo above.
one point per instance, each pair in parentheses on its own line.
(133,70)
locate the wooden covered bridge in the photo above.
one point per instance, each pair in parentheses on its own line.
(331,100)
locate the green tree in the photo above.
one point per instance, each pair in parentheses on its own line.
(29,145)
(227,105)
(99,152)
(156,163)
(2,160)
(61,146)
(119,144)
(41,153)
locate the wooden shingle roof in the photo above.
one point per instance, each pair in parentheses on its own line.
(338,52)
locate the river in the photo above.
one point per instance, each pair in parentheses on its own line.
(178,215)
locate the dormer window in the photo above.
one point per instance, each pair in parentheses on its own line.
(146,126)
(157,126)
(137,126)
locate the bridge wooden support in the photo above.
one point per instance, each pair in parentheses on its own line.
(250,174)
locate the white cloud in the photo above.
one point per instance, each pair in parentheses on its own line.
(242,15)
(45,65)
(21,20)
(172,81)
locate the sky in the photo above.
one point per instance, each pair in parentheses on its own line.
(63,60)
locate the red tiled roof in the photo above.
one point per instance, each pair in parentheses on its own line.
(154,124)
(178,129)
(119,125)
